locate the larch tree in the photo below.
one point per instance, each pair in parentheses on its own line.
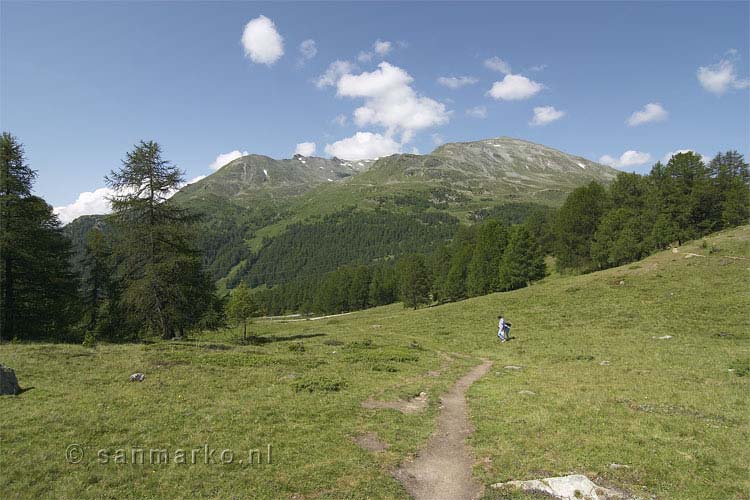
(164,285)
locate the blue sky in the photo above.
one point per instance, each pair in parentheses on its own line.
(82,82)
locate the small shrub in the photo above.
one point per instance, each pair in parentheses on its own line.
(297,347)
(320,383)
(741,367)
(361,344)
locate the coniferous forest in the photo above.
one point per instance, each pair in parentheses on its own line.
(148,268)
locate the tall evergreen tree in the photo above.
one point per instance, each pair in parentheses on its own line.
(731,176)
(523,260)
(575,225)
(164,286)
(482,273)
(38,291)
(415,280)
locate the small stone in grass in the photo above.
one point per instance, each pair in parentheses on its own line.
(137,377)
(512,367)
(604,363)
(663,337)
(527,393)
(614,466)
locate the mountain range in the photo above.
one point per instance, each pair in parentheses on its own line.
(256,208)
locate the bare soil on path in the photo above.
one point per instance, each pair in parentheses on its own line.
(442,468)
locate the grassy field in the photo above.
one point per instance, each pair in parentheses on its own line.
(599,385)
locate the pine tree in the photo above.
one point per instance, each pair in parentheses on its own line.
(482,273)
(575,225)
(164,286)
(38,291)
(415,280)
(523,261)
(383,289)
(731,176)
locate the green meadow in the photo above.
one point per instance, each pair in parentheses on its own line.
(594,385)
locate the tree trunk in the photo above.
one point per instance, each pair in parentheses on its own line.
(7,327)
(244,330)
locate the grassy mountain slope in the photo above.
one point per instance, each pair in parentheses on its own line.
(675,411)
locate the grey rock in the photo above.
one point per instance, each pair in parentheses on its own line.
(513,367)
(137,377)
(8,381)
(527,393)
(574,487)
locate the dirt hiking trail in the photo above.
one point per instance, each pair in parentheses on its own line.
(442,468)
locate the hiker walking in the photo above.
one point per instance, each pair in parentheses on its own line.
(503,328)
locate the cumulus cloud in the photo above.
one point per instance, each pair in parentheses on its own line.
(305,149)
(97,202)
(262,43)
(225,158)
(497,64)
(514,88)
(722,76)
(363,146)
(651,112)
(382,47)
(335,70)
(308,49)
(545,114)
(88,203)
(477,112)
(391,102)
(455,82)
(629,158)
(379,47)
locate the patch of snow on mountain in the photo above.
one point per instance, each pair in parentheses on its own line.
(582,165)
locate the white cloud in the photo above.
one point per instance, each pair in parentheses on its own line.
(97,202)
(225,158)
(497,64)
(363,146)
(308,49)
(545,114)
(364,57)
(305,149)
(261,41)
(629,158)
(454,82)
(341,120)
(477,112)
(651,112)
(391,102)
(514,88)
(88,203)
(382,47)
(722,76)
(335,70)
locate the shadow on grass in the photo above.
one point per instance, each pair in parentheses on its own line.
(268,339)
